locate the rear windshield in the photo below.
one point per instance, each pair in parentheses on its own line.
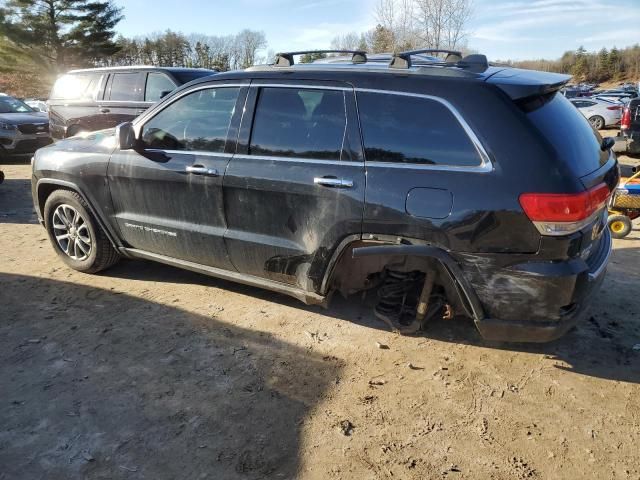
(76,86)
(571,134)
(186,77)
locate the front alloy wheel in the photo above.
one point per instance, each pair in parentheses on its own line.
(71,232)
(75,234)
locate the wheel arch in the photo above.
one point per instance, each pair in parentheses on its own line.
(46,186)
(465,292)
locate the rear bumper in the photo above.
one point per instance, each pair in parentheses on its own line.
(559,295)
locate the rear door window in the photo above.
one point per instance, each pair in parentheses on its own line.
(570,134)
(199,121)
(413,130)
(299,122)
(157,84)
(126,87)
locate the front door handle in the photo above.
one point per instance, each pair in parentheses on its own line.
(333,182)
(201,170)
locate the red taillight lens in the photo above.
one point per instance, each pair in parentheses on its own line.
(625,122)
(553,211)
(614,107)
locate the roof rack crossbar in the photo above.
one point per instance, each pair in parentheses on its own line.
(403,59)
(474,63)
(285,59)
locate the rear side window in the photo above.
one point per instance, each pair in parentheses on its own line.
(198,121)
(405,129)
(570,134)
(76,86)
(157,84)
(125,87)
(302,123)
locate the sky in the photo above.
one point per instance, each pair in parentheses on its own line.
(501,29)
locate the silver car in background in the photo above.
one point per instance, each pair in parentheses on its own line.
(22,129)
(600,113)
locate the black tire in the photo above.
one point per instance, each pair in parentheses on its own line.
(101,253)
(597,121)
(619,225)
(1,176)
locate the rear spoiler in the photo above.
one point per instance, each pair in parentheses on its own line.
(520,84)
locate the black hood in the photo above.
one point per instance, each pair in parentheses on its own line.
(22,118)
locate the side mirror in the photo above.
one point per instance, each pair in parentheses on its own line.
(164,93)
(607,143)
(125,136)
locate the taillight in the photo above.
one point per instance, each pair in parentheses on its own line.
(563,214)
(625,122)
(614,107)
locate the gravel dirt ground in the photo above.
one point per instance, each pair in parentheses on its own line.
(149,372)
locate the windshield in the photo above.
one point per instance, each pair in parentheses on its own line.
(13,105)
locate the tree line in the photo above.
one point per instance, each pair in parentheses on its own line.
(39,39)
(173,49)
(601,66)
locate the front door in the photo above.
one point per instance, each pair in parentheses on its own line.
(167,194)
(295,188)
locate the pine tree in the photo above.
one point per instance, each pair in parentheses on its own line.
(311,57)
(581,66)
(61,33)
(382,40)
(604,65)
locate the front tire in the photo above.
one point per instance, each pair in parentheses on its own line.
(619,225)
(75,235)
(597,121)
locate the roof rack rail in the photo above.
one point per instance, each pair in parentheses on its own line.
(475,62)
(285,59)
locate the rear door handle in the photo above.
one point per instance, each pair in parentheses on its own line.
(333,182)
(104,110)
(201,170)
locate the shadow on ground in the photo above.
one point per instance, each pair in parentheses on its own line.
(119,387)
(16,205)
(600,346)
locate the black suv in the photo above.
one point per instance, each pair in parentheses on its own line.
(98,98)
(453,188)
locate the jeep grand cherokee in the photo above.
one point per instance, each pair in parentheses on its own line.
(446,186)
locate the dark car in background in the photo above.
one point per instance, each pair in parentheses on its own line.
(630,126)
(98,98)
(429,184)
(22,129)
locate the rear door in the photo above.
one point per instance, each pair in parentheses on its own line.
(123,98)
(295,188)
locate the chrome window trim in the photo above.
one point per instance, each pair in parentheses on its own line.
(299,85)
(202,153)
(485,161)
(318,161)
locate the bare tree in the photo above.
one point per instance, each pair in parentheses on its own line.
(441,23)
(249,43)
(348,41)
(396,16)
